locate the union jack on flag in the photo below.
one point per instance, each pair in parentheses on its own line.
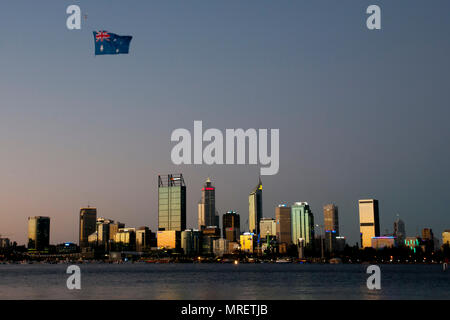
(111,43)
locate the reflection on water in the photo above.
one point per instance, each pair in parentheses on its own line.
(216,281)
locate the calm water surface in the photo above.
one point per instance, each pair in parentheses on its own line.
(217,281)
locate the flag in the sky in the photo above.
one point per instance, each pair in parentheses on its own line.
(111,43)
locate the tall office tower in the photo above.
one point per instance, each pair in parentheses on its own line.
(207,215)
(171,203)
(331,226)
(283,221)
(399,231)
(38,233)
(302,222)
(231,226)
(88,225)
(369,221)
(255,208)
(330,218)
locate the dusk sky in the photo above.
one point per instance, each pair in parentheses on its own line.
(362,114)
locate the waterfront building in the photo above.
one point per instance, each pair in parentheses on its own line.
(302,222)
(413,243)
(171,203)
(384,242)
(170,239)
(38,233)
(231,226)
(267,227)
(399,231)
(4,243)
(428,240)
(209,234)
(191,241)
(248,242)
(340,244)
(283,223)
(255,208)
(221,247)
(125,239)
(88,225)
(369,221)
(446,237)
(207,215)
(331,226)
(145,239)
(331,218)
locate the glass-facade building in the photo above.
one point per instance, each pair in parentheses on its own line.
(255,209)
(283,221)
(171,203)
(38,233)
(88,225)
(207,206)
(231,226)
(369,221)
(302,224)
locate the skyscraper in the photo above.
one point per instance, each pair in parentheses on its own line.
(171,203)
(331,226)
(38,233)
(88,225)
(207,206)
(255,209)
(399,231)
(302,222)
(330,218)
(231,226)
(283,221)
(369,221)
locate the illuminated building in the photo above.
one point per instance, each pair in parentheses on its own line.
(207,215)
(248,242)
(446,237)
(267,226)
(302,222)
(171,203)
(169,240)
(231,226)
(383,242)
(88,225)
(283,223)
(38,233)
(331,226)
(255,208)
(331,218)
(412,242)
(369,222)
(125,239)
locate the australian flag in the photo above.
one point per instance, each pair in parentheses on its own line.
(111,43)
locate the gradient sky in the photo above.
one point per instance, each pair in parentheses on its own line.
(362,114)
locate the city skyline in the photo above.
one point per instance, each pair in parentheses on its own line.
(362,114)
(178,180)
